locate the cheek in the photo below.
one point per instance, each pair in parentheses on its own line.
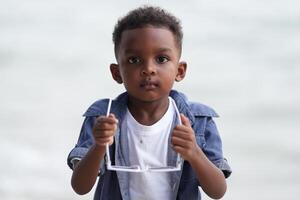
(169,72)
(130,76)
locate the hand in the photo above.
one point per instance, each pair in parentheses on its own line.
(184,140)
(104,129)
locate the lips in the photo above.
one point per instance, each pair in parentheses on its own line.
(148,85)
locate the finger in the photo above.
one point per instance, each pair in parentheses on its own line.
(184,120)
(179,149)
(111,141)
(104,133)
(184,134)
(111,115)
(104,126)
(110,119)
(103,140)
(108,141)
(176,141)
(182,128)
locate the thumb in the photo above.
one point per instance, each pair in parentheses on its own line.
(184,120)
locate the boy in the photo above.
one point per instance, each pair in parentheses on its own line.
(141,128)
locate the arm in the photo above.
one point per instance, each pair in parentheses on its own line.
(211,179)
(86,170)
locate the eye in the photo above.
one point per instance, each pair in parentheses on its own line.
(134,60)
(162,59)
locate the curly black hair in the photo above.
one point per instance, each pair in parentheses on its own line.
(148,16)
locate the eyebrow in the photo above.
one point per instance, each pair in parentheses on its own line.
(129,51)
(165,50)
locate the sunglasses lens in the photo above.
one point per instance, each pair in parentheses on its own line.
(136,168)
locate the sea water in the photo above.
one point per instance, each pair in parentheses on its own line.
(243,60)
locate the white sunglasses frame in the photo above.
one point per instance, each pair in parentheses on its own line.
(136,168)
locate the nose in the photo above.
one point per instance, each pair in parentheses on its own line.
(148,68)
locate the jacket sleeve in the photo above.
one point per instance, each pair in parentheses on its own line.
(86,139)
(84,142)
(213,147)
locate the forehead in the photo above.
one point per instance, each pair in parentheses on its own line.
(147,39)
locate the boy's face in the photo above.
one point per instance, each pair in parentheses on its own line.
(148,63)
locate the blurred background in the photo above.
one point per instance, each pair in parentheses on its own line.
(243,60)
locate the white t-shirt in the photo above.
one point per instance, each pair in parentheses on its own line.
(148,146)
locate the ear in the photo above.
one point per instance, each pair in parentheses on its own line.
(115,72)
(181,71)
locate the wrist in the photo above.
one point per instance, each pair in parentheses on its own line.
(197,156)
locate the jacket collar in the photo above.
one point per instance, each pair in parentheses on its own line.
(119,105)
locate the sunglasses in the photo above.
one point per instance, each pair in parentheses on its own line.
(137,168)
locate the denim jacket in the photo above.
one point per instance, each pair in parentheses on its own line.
(114,185)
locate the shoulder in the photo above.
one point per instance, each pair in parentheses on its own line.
(199,109)
(99,107)
(196,109)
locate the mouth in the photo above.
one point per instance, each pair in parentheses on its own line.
(149,85)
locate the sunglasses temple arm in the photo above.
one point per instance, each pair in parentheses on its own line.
(179,159)
(108,161)
(108,107)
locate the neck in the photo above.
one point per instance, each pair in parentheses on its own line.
(148,113)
